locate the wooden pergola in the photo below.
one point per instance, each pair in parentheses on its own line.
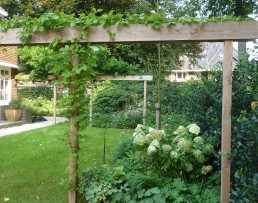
(226,32)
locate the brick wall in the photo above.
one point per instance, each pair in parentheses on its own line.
(13,85)
(7,54)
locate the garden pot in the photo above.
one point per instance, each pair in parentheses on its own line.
(13,114)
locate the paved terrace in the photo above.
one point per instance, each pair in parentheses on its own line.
(9,128)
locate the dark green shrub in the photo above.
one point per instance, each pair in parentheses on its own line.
(114,96)
(202,102)
(244,156)
(35,92)
(118,95)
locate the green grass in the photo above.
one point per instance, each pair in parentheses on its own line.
(33,163)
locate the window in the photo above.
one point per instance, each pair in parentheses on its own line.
(5,86)
(181,75)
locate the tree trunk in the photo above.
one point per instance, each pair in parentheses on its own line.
(73,165)
(74,144)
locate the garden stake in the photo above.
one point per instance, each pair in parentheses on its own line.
(104,146)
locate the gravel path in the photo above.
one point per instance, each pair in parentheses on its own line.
(31,126)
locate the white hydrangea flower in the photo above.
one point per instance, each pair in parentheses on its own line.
(193,128)
(176,139)
(209,148)
(139,139)
(198,155)
(180,130)
(151,129)
(139,126)
(198,140)
(189,167)
(148,138)
(151,150)
(155,143)
(206,169)
(134,134)
(157,134)
(139,131)
(174,155)
(166,148)
(184,145)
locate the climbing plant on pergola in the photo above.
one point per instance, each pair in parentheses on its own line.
(140,33)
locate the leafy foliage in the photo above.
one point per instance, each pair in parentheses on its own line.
(34,92)
(201,101)
(46,21)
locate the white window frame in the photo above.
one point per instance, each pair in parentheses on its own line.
(8,88)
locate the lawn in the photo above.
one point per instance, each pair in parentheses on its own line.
(33,163)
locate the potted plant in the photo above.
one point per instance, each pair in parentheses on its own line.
(13,112)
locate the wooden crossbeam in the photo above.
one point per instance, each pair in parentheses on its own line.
(140,33)
(131,77)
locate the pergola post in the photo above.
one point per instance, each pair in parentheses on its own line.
(226,121)
(74,143)
(91,106)
(144,102)
(54,104)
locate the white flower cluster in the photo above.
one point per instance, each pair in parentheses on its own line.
(155,135)
(193,128)
(139,139)
(209,148)
(153,147)
(187,148)
(155,143)
(189,167)
(166,148)
(174,155)
(184,145)
(151,150)
(198,155)
(198,140)
(180,130)
(206,169)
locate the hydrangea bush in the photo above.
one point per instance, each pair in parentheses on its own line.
(184,152)
(154,166)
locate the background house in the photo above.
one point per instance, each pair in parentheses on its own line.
(8,70)
(211,57)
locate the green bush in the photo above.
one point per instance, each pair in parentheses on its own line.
(42,107)
(244,156)
(35,92)
(109,97)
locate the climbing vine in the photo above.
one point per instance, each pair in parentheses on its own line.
(55,21)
